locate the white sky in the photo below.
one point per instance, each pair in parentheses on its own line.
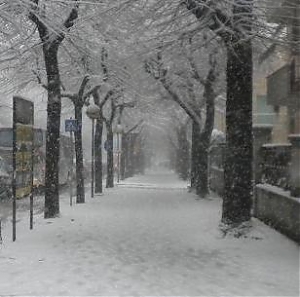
(147,236)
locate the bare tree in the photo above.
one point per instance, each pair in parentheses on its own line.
(98,138)
(51,40)
(79,99)
(234,28)
(191,105)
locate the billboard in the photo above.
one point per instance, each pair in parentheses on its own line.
(22,146)
(22,155)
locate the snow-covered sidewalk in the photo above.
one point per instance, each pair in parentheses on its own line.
(146,236)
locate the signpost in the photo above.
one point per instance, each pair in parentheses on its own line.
(71,126)
(108,145)
(23,141)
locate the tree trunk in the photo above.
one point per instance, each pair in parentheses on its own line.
(199,167)
(205,135)
(183,153)
(79,156)
(110,158)
(53,132)
(195,155)
(238,155)
(51,44)
(202,183)
(98,156)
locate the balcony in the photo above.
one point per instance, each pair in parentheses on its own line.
(283,85)
(279,86)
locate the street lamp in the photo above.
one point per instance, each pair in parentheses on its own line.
(93,112)
(119,131)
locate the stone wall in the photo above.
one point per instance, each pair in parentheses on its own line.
(278,209)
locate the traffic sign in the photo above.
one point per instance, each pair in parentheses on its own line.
(108,145)
(70,125)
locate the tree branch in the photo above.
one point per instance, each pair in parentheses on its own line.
(195,72)
(69,22)
(130,104)
(107,96)
(82,86)
(181,103)
(39,80)
(104,56)
(42,28)
(108,121)
(220,24)
(113,111)
(134,127)
(89,93)
(160,74)
(73,97)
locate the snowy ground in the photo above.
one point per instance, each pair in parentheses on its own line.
(147,236)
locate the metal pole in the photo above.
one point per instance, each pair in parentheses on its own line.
(93,158)
(32,168)
(14,215)
(118,155)
(118,167)
(71,171)
(14,182)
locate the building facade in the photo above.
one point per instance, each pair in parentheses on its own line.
(283,85)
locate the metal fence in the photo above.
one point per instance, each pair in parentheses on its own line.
(275,165)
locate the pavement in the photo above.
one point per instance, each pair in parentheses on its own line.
(147,236)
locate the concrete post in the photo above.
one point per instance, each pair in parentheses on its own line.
(261,136)
(295,165)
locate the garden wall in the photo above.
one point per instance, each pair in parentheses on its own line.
(278,209)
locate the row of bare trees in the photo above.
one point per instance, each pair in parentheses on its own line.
(57,27)
(229,29)
(234,30)
(194,50)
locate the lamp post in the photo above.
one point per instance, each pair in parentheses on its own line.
(93,112)
(119,131)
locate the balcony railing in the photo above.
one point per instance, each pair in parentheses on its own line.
(276,159)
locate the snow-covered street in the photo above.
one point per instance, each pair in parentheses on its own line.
(146,236)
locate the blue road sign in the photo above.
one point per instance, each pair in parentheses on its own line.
(70,125)
(108,146)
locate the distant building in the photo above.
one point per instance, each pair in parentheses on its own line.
(263,114)
(283,85)
(276,98)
